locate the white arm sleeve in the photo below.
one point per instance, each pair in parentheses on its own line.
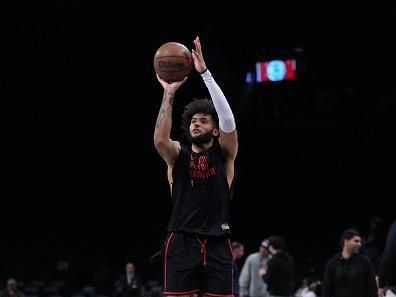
(226,117)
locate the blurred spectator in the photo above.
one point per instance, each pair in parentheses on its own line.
(129,283)
(374,241)
(349,273)
(279,274)
(312,288)
(303,287)
(387,270)
(12,290)
(250,282)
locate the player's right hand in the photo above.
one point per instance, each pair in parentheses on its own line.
(171,87)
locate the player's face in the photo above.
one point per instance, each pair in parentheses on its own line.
(202,128)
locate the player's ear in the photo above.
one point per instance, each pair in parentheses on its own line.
(216,132)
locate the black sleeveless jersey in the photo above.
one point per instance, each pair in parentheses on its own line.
(200,193)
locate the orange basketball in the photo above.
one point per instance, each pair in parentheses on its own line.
(172,61)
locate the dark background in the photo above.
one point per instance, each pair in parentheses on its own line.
(82,181)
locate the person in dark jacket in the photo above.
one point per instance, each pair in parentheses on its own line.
(349,273)
(387,270)
(129,283)
(280,271)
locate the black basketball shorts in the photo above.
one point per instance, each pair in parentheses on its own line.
(197,264)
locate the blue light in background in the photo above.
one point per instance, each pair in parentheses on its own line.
(249,77)
(258,72)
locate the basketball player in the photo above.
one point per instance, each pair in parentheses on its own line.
(198,257)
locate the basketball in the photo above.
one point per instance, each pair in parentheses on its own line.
(172,61)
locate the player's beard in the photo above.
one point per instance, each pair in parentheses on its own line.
(203,138)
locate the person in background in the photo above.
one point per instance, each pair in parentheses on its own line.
(129,283)
(279,275)
(11,289)
(387,269)
(349,273)
(250,282)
